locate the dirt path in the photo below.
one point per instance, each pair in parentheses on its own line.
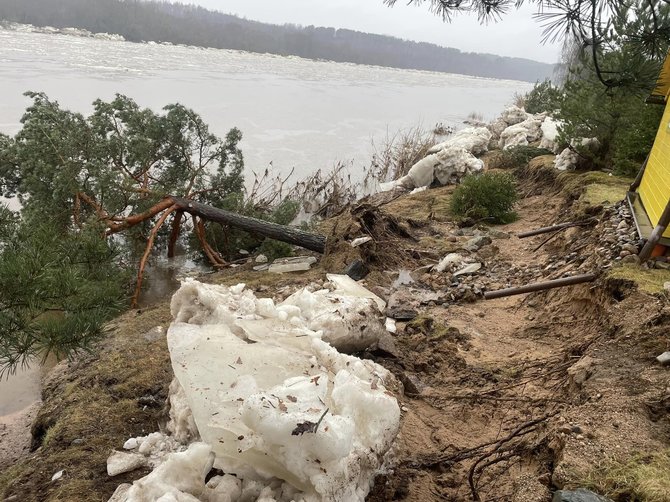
(505,404)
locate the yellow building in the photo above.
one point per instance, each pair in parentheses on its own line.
(654,188)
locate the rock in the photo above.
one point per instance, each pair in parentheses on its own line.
(390,325)
(77,441)
(666,286)
(582,370)
(413,386)
(357,270)
(579,495)
(476,243)
(57,475)
(631,258)
(494,233)
(401,314)
(119,462)
(664,358)
(630,248)
(470,269)
(387,345)
(261,258)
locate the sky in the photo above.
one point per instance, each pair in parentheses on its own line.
(518,34)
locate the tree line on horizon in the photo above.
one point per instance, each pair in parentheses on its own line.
(156,21)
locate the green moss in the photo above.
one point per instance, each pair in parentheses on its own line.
(649,281)
(644,478)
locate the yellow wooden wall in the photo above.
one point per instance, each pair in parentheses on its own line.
(655,187)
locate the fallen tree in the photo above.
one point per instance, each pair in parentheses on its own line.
(199,211)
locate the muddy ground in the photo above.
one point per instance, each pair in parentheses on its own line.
(506,399)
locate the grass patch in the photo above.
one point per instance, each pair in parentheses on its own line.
(645,478)
(650,281)
(596,187)
(430,204)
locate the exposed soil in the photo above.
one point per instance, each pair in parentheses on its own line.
(506,399)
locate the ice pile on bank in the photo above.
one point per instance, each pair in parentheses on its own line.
(447,162)
(278,408)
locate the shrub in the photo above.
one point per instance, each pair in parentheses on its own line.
(487,196)
(542,98)
(519,156)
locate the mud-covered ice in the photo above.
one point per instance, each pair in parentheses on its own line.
(279,409)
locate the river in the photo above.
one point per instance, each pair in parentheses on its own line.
(294,113)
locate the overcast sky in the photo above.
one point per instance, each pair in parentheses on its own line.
(518,34)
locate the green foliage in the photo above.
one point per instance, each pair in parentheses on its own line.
(623,123)
(634,139)
(542,98)
(520,155)
(61,276)
(488,196)
(56,291)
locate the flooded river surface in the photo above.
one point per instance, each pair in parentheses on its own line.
(293,112)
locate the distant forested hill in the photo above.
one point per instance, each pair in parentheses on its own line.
(164,22)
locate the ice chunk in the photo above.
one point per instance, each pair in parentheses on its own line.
(470,269)
(513,115)
(448,261)
(119,462)
(550,131)
(474,140)
(454,164)
(422,173)
(360,241)
(258,387)
(181,477)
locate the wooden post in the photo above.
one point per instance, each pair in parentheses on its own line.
(656,234)
(290,235)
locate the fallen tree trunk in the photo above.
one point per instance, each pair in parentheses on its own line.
(290,235)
